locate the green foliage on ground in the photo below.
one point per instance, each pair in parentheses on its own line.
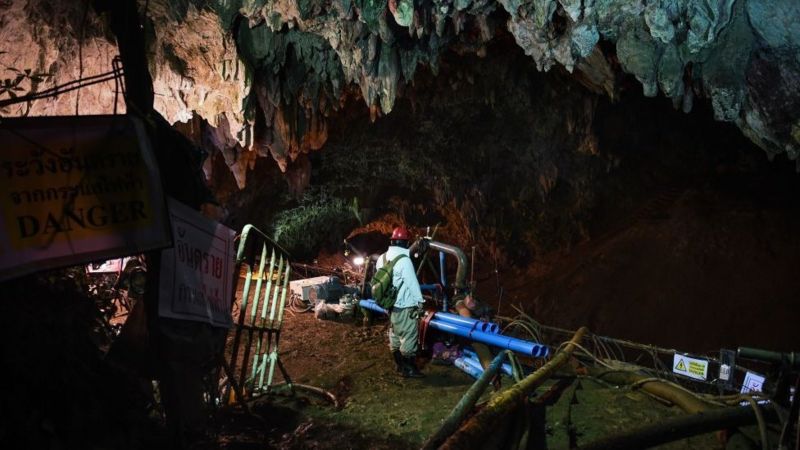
(320,220)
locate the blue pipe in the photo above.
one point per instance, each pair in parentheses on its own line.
(464,322)
(468,322)
(471,357)
(505,368)
(472,362)
(472,371)
(372,306)
(496,340)
(526,348)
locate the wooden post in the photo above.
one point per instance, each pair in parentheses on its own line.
(464,406)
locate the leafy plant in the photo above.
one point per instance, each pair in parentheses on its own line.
(10,86)
(320,220)
(15,87)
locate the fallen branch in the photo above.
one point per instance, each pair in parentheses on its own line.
(464,406)
(484,422)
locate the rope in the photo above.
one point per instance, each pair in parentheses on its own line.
(607,347)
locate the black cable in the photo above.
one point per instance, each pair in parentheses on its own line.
(116,94)
(63,88)
(119,82)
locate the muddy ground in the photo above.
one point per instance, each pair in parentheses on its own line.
(695,267)
(380,410)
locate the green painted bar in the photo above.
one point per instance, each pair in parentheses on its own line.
(258,354)
(254,304)
(275,294)
(260,280)
(275,328)
(263,371)
(267,293)
(282,305)
(245,292)
(274,298)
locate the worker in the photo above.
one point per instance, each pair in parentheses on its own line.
(404,316)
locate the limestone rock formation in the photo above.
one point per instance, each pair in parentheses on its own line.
(41,37)
(267,75)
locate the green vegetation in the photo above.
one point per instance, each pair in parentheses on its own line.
(320,220)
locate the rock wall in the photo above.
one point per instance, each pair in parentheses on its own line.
(195,67)
(268,75)
(40,49)
(499,155)
(741,54)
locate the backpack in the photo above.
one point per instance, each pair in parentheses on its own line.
(383,290)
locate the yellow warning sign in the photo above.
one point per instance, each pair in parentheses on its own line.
(76,189)
(690,367)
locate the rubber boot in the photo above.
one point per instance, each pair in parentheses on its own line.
(398,361)
(410,368)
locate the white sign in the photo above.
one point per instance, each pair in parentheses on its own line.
(197,273)
(76,189)
(753,382)
(724,372)
(690,367)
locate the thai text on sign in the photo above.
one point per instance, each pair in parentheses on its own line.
(76,189)
(197,273)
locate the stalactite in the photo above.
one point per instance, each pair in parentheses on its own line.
(220,58)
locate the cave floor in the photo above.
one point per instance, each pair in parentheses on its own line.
(381,410)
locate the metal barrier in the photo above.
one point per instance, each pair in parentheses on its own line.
(254,354)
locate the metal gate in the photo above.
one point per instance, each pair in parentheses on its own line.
(254,352)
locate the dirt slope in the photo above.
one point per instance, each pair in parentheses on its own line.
(694,269)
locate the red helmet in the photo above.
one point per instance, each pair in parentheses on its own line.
(400,234)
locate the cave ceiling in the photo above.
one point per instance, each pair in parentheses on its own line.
(268,75)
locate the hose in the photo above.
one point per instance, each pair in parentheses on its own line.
(297,305)
(762,424)
(313,389)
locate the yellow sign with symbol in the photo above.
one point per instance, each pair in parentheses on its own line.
(690,367)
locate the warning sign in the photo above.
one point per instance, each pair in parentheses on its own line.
(197,273)
(76,189)
(690,367)
(753,382)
